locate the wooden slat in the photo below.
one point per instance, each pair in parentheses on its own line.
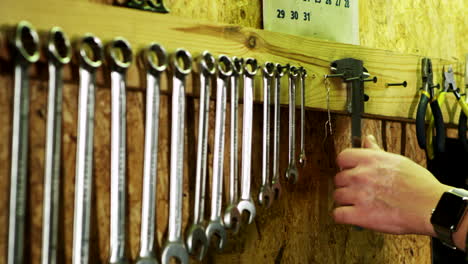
(141,28)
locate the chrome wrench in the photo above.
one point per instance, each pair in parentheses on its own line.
(90,55)
(154,70)
(197,241)
(275,182)
(292,174)
(175,247)
(265,195)
(231,213)
(302,156)
(58,54)
(246,204)
(26,51)
(120,58)
(215,226)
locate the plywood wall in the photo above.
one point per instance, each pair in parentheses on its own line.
(298,228)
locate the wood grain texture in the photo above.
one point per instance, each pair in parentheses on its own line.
(314,55)
(298,228)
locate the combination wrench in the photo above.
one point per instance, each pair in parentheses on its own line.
(90,59)
(231,213)
(215,226)
(147,254)
(246,204)
(292,174)
(58,54)
(302,156)
(175,247)
(120,58)
(265,195)
(275,181)
(197,241)
(25,46)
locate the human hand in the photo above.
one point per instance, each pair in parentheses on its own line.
(385,192)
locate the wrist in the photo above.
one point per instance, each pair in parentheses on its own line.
(432,203)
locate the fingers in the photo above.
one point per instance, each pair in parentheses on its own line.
(344,196)
(350,158)
(346,215)
(371,143)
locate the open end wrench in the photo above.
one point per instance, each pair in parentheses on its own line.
(58,54)
(147,254)
(292,174)
(120,58)
(175,247)
(275,181)
(246,204)
(265,196)
(302,156)
(25,44)
(215,226)
(197,242)
(231,213)
(90,57)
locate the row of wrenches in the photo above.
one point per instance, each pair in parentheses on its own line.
(230,75)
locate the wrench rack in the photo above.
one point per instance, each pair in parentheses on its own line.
(246,42)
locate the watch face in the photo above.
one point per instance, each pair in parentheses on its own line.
(449,210)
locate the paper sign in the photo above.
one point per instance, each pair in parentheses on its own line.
(334,20)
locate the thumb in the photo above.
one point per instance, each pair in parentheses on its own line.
(371,143)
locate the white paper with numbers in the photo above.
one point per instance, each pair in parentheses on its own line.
(334,20)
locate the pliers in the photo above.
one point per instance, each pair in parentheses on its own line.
(428,97)
(462,125)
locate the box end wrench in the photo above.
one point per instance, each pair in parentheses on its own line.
(154,69)
(120,58)
(302,155)
(292,174)
(58,51)
(275,181)
(197,242)
(25,47)
(175,247)
(265,196)
(215,227)
(231,213)
(90,59)
(246,204)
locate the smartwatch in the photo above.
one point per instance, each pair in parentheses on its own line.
(448,214)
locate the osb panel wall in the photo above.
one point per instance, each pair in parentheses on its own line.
(298,228)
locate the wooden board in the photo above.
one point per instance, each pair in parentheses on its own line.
(314,55)
(297,229)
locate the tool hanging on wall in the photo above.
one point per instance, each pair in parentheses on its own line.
(231,213)
(58,55)
(352,71)
(428,97)
(462,121)
(197,242)
(90,57)
(302,78)
(175,246)
(154,70)
(25,47)
(292,175)
(120,58)
(246,203)
(215,228)
(275,180)
(265,196)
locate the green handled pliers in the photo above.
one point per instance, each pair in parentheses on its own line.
(428,97)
